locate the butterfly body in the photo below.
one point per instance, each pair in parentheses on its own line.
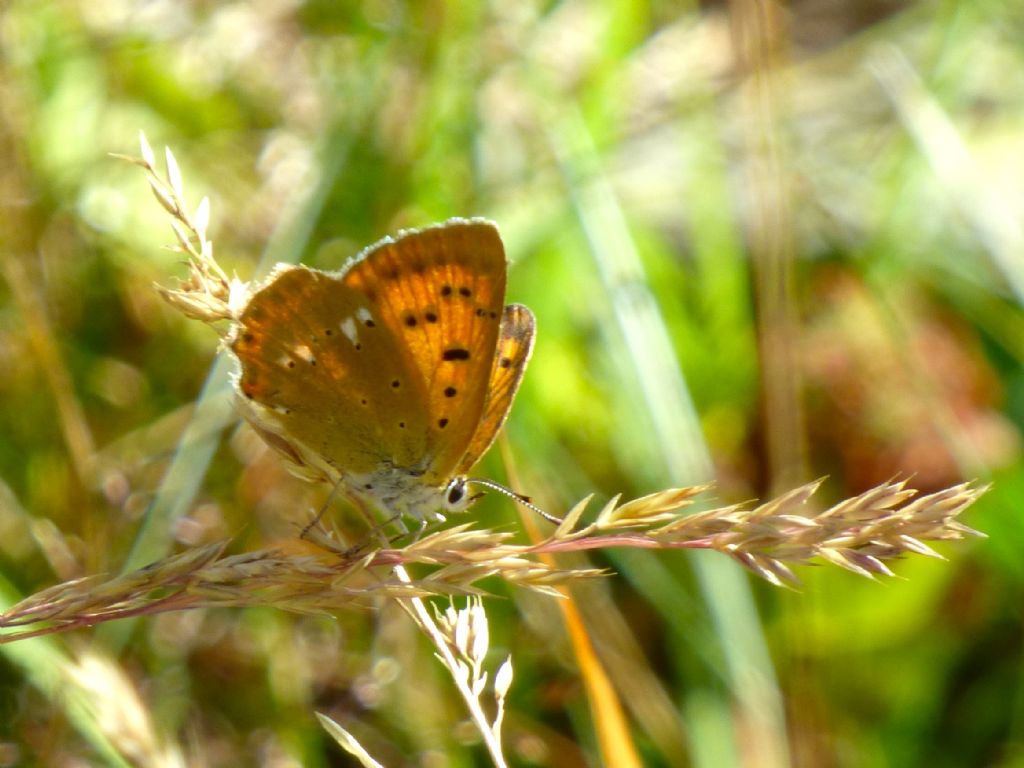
(391,377)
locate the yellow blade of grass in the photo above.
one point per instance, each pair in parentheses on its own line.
(610,724)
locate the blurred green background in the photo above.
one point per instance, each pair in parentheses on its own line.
(763,243)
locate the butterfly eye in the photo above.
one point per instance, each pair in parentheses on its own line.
(456,496)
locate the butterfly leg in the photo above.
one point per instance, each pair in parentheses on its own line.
(419,531)
(330,498)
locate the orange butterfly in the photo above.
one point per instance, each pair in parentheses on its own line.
(391,377)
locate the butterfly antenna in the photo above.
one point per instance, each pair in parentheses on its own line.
(518,498)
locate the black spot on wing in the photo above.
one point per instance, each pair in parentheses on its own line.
(455,354)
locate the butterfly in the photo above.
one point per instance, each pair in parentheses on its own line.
(391,377)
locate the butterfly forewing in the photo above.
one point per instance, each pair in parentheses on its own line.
(440,292)
(515,343)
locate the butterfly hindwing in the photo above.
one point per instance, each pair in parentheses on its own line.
(515,344)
